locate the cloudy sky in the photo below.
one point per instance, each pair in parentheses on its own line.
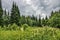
(36,7)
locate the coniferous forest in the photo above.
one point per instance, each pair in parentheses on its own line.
(13,26)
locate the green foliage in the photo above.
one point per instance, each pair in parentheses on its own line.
(40,24)
(54,21)
(15,14)
(13,27)
(22,20)
(24,26)
(45,33)
(5,18)
(1,14)
(43,22)
(46,21)
(0,4)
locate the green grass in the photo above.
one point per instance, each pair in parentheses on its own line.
(32,33)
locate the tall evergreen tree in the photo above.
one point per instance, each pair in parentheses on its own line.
(40,20)
(54,21)
(46,21)
(33,17)
(1,14)
(8,17)
(0,4)
(5,18)
(15,14)
(43,22)
(22,20)
(52,13)
(59,11)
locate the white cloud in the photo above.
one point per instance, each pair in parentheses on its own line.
(36,7)
(28,1)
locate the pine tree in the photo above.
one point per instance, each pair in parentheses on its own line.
(33,17)
(43,22)
(46,21)
(15,14)
(0,4)
(52,13)
(8,17)
(23,21)
(1,14)
(59,11)
(54,21)
(40,20)
(5,18)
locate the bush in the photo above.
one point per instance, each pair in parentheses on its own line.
(13,27)
(54,21)
(24,26)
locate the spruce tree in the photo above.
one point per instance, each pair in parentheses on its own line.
(15,14)
(1,14)
(54,21)
(8,18)
(0,4)
(52,13)
(43,22)
(39,20)
(46,21)
(5,18)
(33,17)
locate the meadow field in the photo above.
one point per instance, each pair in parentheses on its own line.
(31,33)
(29,19)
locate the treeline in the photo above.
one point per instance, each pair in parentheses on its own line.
(15,17)
(54,19)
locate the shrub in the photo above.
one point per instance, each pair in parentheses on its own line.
(24,26)
(13,27)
